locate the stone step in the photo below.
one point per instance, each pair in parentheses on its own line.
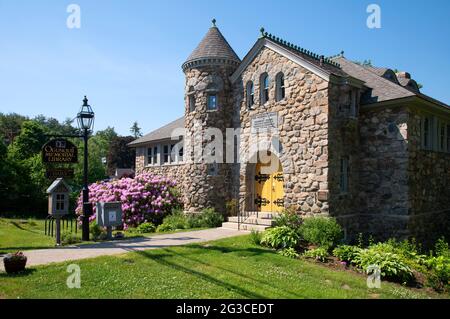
(230,225)
(253,220)
(264,215)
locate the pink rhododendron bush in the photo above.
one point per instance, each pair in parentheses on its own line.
(144,198)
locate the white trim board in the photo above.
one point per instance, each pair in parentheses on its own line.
(263,42)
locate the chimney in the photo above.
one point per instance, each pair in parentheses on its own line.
(403,74)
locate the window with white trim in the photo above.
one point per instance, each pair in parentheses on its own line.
(152,155)
(427,141)
(448,137)
(442,136)
(166,154)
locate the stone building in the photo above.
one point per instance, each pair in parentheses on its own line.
(285,127)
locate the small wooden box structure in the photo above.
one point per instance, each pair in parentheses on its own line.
(109,214)
(58,198)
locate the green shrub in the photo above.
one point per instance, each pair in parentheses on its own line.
(290,218)
(441,248)
(146,228)
(68,238)
(256,237)
(280,237)
(208,218)
(321,231)
(232,207)
(289,252)
(177,220)
(97,232)
(391,265)
(319,254)
(346,253)
(164,228)
(439,275)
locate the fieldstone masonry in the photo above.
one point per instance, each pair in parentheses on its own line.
(395,188)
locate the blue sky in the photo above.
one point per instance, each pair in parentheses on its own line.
(127,55)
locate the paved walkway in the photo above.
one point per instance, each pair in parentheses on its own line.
(46,256)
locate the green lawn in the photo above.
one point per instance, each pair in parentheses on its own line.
(229,268)
(26,234)
(23,234)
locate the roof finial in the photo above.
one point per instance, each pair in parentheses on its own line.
(342,53)
(262,32)
(213,22)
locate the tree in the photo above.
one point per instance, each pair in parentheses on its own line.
(364,63)
(10,126)
(136,130)
(30,141)
(120,155)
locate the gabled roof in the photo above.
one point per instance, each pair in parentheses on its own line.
(213,46)
(56,184)
(163,133)
(318,64)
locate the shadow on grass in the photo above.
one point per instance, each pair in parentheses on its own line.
(161,258)
(252,252)
(26,272)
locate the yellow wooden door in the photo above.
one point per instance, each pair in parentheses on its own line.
(277,197)
(263,187)
(269,190)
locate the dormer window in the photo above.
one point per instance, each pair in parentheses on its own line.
(212,102)
(264,87)
(280,89)
(250,94)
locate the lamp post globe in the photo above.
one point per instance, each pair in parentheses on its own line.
(85,120)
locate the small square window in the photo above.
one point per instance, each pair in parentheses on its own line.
(212,102)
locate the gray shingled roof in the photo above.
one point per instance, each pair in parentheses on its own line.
(162,133)
(381,89)
(213,45)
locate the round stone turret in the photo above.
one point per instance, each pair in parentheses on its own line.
(208,109)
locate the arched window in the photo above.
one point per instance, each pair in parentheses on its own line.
(264,88)
(250,94)
(280,90)
(191,96)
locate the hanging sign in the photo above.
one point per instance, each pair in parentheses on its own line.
(59,151)
(53,173)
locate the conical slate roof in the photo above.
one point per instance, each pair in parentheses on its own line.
(215,47)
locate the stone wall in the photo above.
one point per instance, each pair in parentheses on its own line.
(302,126)
(343,143)
(384,159)
(429,186)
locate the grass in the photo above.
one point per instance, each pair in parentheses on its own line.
(27,234)
(23,234)
(228,268)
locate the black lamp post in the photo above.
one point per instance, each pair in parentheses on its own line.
(86,124)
